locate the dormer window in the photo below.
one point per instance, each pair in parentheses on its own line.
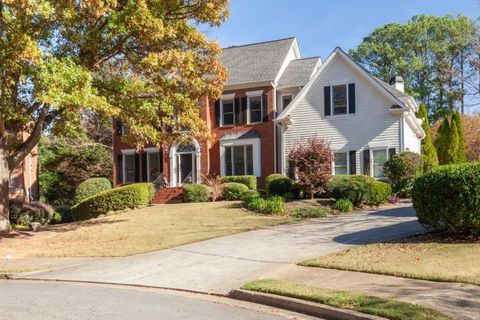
(339,99)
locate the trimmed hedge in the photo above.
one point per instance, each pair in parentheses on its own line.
(379,192)
(277,184)
(359,189)
(195,193)
(91,187)
(234,190)
(126,197)
(249,181)
(449,197)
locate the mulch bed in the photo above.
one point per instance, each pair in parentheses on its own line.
(442,237)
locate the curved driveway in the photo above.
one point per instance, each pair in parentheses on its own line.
(222,264)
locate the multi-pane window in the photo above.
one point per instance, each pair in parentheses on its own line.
(239,160)
(339,99)
(129,168)
(341,164)
(379,158)
(228,111)
(286,101)
(153,165)
(255,109)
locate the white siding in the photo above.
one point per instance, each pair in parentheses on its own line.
(372,126)
(411,141)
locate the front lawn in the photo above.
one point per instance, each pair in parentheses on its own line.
(387,308)
(137,231)
(418,258)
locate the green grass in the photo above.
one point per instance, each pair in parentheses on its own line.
(387,308)
(447,262)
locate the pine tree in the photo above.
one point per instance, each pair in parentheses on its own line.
(442,141)
(429,153)
(461,155)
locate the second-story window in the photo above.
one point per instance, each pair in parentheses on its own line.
(228,112)
(255,109)
(339,99)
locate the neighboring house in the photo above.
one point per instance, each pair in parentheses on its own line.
(262,79)
(364,119)
(23,183)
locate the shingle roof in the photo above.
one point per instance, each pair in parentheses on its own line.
(257,62)
(298,72)
(392,90)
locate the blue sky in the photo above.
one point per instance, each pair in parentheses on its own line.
(321,25)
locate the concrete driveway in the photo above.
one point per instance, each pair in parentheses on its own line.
(222,264)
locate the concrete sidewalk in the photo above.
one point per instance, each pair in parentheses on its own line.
(223,264)
(458,300)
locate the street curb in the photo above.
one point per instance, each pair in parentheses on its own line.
(300,306)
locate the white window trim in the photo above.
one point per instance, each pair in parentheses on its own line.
(248,108)
(332,107)
(147,151)
(256,152)
(372,171)
(254,93)
(282,102)
(347,155)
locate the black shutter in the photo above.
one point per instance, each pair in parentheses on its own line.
(119,169)
(366,162)
(265,108)
(160,152)
(351,98)
(326,96)
(237,110)
(353,161)
(391,152)
(137,167)
(119,127)
(243,109)
(144,167)
(217,113)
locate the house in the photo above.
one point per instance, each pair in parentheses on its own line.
(23,182)
(272,99)
(263,79)
(364,119)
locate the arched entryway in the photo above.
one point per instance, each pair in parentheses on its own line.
(185,163)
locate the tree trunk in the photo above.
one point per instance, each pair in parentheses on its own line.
(4,191)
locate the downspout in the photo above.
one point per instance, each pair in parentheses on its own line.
(402,142)
(274,127)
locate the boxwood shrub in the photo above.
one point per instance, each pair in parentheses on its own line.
(126,197)
(359,189)
(195,193)
(277,184)
(249,195)
(379,192)
(234,190)
(90,187)
(449,197)
(249,181)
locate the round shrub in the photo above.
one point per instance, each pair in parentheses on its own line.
(23,213)
(91,187)
(379,192)
(343,205)
(234,190)
(195,193)
(249,195)
(279,185)
(310,212)
(274,205)
(249,181)
(257,204)
(402,169)
(65,212)
(127,197)
(355,188)
(449,197)
(271,178)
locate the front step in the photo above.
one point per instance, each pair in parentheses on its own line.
(168,195)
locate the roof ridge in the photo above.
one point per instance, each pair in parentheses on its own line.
(256,43)
(307,58)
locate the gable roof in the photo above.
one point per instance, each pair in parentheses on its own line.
(257,62)
(298,72)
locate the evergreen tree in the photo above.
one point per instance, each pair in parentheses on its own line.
(429,153)
(442,141)
(461,155)
(453,146)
